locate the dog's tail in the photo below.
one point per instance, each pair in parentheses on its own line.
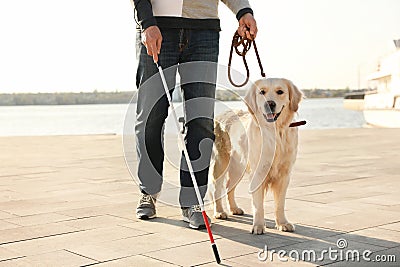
(222,142)
(222,149)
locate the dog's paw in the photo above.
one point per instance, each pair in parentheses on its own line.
(258,229)
(285,227)
(221,215)
(237,211)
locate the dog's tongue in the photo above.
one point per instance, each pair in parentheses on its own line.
(270,116)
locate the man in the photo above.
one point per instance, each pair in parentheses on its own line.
(174,34)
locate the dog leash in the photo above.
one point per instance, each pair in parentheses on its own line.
(238,41)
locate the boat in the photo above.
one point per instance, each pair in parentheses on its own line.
(381,107)
(354,100)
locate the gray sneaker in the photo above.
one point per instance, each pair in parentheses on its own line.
(146,208)
(194,217)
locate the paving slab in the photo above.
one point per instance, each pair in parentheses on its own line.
(374,236)
(253,260)
(72,240)
(6,254)
(105,251)
(138,260)
(7,225)
(54,258)
(392,226)
(34,232)
(356,220)
(201,253)
(43,218)
(72,199)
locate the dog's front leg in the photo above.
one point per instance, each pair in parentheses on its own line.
(258,211)
(279,188)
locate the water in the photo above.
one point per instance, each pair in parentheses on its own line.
(109,119)
(328,113)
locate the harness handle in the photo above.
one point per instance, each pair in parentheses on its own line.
(237,42)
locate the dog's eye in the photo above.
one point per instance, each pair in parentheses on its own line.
(279,92)
(262,92)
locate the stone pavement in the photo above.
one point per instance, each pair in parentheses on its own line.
(70,201)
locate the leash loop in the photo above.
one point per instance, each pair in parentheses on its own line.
(237,42)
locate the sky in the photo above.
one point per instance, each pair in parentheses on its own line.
(86,45)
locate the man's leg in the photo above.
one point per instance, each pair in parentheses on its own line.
(198,78)
(151,112)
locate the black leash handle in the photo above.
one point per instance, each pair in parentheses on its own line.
(238,41)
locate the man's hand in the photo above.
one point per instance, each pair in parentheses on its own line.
(152,38)
(247,26)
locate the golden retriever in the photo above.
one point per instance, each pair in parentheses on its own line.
(261,144)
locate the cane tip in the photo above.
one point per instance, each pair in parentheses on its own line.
(216,254)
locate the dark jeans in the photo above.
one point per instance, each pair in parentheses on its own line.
(193,53)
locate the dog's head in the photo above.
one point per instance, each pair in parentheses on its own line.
(273,100)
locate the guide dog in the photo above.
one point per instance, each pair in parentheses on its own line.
(258,143)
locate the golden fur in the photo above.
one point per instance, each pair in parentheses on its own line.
(248,144)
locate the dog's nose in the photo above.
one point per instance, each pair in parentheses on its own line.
(270,105)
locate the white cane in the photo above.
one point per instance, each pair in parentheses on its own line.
(189,164)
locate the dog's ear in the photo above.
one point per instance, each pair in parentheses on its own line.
(295,95)
(250,99)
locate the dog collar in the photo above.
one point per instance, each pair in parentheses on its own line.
(297,123)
